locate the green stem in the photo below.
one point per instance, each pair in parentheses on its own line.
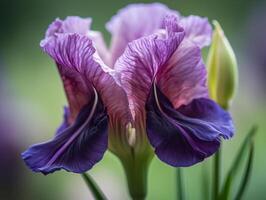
(94,188)
(180,184)
(136,173)
(216,174)
(205,185)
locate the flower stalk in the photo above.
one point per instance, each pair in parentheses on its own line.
(216,174)
(136,170)
(180,184)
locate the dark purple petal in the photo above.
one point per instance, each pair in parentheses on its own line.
(188,135)
(65,122)
(77,148)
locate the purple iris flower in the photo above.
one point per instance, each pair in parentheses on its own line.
(152,80)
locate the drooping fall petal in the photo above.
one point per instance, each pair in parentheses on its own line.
(76,148)
(187,135)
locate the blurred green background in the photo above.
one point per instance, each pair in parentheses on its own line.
(32,98)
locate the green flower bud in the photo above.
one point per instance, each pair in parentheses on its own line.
(222,68)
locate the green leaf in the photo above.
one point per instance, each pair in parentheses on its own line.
(94,188)
(247,174)
(226,190)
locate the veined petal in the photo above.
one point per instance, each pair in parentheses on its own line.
(81,70)
(197,29)
(73,55)
(133,22)
(76,148)
(185,136)
(142,61)
(72,24)
(75,24)
(183,77)
(100,46)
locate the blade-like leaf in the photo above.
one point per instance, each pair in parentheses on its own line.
(247,174)
(94,188)
(225,194)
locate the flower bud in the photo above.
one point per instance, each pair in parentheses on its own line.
(222,68)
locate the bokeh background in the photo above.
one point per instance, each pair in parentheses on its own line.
(32,99)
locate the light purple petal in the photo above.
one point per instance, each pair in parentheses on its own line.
(185,136)
(183,77)
(72,24)
(75,24)
(197,29)
(100,46)
(81,69)
(135,21)
(143,59)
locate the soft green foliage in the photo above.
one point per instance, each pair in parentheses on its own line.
(94,188)
(246,145)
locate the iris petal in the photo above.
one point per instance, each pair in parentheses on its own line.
(185,136)
(133,22)
(77,148)
(198,30)
(143,59)
(81,69)
(65,123)
(183,77)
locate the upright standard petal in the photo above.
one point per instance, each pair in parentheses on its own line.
(72,24)
(75,24)
(142,61)
(135,21)
(198,30)
(187,135)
